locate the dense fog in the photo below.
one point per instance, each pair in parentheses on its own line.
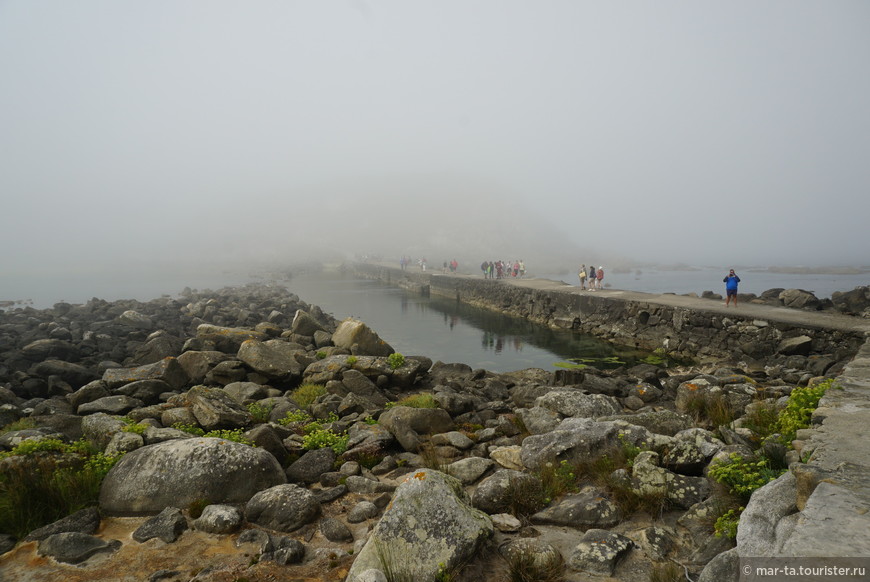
(210,132)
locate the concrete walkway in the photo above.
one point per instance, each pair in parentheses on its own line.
(798,317)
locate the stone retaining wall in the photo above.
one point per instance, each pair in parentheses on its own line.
(683,332)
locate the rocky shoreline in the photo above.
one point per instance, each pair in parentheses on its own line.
(451,491)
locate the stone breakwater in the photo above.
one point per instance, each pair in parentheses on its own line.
(465,486)
(821,506)
(759,334)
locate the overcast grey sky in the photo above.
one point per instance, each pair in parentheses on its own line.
(710,133)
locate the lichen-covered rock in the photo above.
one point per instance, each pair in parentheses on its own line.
(577,403)
(273,358)
(599,552)
(589,508)
(651,479)
(429,526)
(178,472)
(213,408)
(219,519)
(283,508)
(501,490)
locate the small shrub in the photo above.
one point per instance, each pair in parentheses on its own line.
(295,416)
(50,481)
(260,412)
(726,524)
(742,476)
(712,408)
(307,393)
(666,572)
(320,355)
(528,567)
(319,438)
(432,460)
(762,418)
(422,400)
(524,497)
(396,360)
(133,426)
(799,410)
(351,360)
(557,480)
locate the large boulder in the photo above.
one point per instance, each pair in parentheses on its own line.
(199,363)
(227,339)
(304,324)
(283,507)
(273,358)
(175,473)
(213,408)
(854,302)
(799,299)
(73,374)
(356,336)
(44,349)
(578,403)
(428,527)
(167,369)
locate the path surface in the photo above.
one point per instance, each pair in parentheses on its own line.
(798,317)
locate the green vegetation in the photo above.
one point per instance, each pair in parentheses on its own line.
(351,360)
(743,476)
(316,436)
(295,417)
(320,355)
(726,524)
(21,424)
(422,400)
(798,412)
(306,394)
(48,480)
(260,412)
(396,360)
(133,426)
(236,435)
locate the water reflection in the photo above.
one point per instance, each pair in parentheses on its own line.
(446,330)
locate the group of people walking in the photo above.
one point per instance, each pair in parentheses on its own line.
(503,269)
(591,279)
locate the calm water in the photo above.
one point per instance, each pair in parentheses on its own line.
(705,279)
(445,330)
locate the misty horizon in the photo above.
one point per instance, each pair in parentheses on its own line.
(162,135)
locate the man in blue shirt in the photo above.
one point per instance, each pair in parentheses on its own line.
(731,282)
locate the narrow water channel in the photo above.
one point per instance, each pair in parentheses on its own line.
(449,331)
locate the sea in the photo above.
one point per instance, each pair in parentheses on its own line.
(43,290)
(437,327)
